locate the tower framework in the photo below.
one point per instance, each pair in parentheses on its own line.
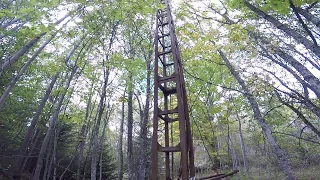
(169,89)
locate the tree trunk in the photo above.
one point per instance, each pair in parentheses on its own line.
(3,26)
(33,147)
(46,169)
(215,144)
(15,79)
(51,127)
(308,16)
(130,159)
(282,157)
(5,66)
(95,147)
(300,115)
(144,129)
(120,139)
(102,141)
(242,145)
(34,121)
(13,29)
(83,135)
(7,63)
(74,155)
(313,81)
(299,38)
(54,154)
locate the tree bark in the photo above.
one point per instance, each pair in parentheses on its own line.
(51,127)
(120,175)
(242,145)
(15,79)
(46,169)
(309,16)
(303,118)
(34,121)
(73,157)
(282,157)
(314,82)
(94,156)
(130,159)
(13,29)
(102,141)
(305,27)
(144,129)
(7,63)
(54,154)
(95,147)
(5,66)
(82,137)
(299,38)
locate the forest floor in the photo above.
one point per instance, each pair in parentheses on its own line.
(307,173)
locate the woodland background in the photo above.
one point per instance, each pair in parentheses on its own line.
(76,86)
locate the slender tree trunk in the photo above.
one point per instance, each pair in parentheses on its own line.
(215,144)
(50,166)
(15,79)
(7,63)
(314,82)
(88,154)
(33,147)
(120,140)
(102,141)
(300,115)
(298,37)
(51,127)
(144,129)
(282,157)
(234,156)
(34,121)
(5,66)
(130,158)
(83,135)
(304,26)
(3,26)
(243,147)
(90,144)
(73,157)
(54,154)
(13,29)
(48,159)
(95,147)
(310,17)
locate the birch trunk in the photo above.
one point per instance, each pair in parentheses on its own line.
(15,79)
(95,151)
(120,175)
(298,37)
(310,17)
(131,173)
(5,66)
(144,129)
(34,121)
(83,135)
(282,157)
(51,127)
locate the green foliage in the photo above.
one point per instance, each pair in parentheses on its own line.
(216,101)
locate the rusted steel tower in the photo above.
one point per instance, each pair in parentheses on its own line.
(170,102)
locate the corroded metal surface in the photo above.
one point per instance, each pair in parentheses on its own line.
(169,88)
(170,105)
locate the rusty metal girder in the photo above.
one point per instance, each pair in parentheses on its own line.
(169,86)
